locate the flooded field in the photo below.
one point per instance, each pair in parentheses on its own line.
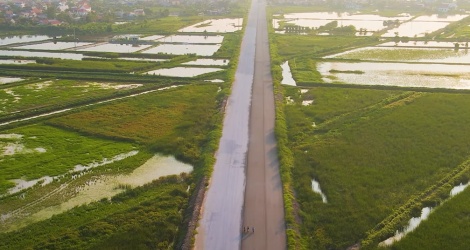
(106,186)
(192,39)
(427,44)
(216,62)
(414,222)
(53,45)
(152,38)
(287,78)
(183,49)
(401,54)
(12,61)
(118,48)
(397,74)
(216,26)
(70,56)
(5,80)
(315,20)
(183,71)
(22,39)
(415,29)
(316,188)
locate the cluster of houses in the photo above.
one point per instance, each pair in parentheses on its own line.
(42,12)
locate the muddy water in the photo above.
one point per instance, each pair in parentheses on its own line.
(54,45)
(216,25)
(415,28)
(414,222)
(397,74)
(107,186)
(183,49)
(183,71)
(316,188)
(118,48)
(287,77)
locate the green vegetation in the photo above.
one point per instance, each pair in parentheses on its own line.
(146,217)
(50,93)
(447,227)
(46,151)
(173,121)
(370,151)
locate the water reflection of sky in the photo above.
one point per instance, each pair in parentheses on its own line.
(397,74)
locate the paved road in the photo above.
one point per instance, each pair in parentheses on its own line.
(247,155)
(264,205)
(220,225)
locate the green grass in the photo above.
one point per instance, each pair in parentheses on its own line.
(447,227)
(63,150)
(371,151)
(46,94)
(146,217)
(173,121)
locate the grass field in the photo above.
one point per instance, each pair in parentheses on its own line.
(371,150)
(172,121)
(45,94)
(47,151)
(446,228)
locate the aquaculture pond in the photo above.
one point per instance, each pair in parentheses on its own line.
(223,25)
(192,39)
(53,45)
(5,80)
(70,56)
(397,74)
(16,61)
(183,49)
(415,29)
(152,38)
(359,21)
(400,54)
(183,71)
(426,44)
(202,61)
(114,47)
(22,39)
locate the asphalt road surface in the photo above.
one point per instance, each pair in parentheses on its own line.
(264,205)
(220,226)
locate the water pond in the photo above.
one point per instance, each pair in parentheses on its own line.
(183,71)
(287,78)
(344,16)
(397,74)
(414,222)
(53,45)
(427,44)
(217,62)
(70,56)
(5,80)
(192,39)
(107,186)
(406,55)
(415,29)
(316,188)
(152,38)
(216,26)
(114,47)
(22,39)
(15,61)
(183,49)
